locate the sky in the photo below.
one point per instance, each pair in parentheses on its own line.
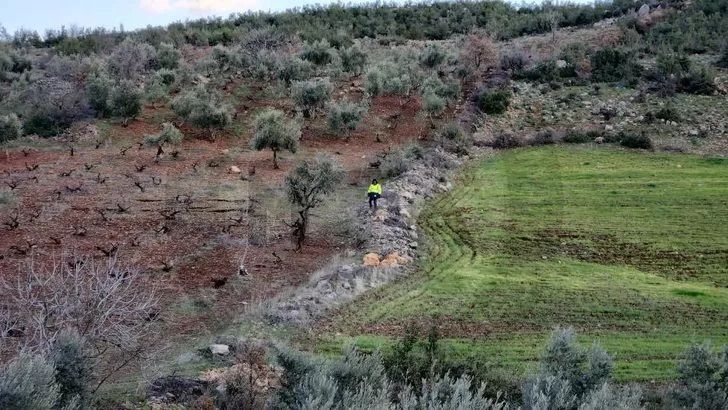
(40,15)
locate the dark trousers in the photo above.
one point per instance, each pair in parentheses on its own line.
(373,199)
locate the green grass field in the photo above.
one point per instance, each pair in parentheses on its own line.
(629,248)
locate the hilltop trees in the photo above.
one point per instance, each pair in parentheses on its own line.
(273,131)
(306,187)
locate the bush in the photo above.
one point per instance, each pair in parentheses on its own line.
(453,139)
(291,68)
(28,383)
(10,127)
(311,95)
(543,138)
(432,56)
(639,141)
(203,108)
(399,161)
(667,113)
(581,136)
(545,71)
(274,132)
(52,104)
(344,116)
(723,60)
(98,91)
(353,60)
(493,102)
(125,101)
(703,378)
(614,65)
(318,52)
(513,61)
(168,56)
(73,371)
(389,78)
(568,375)
(697,81)
(506,141)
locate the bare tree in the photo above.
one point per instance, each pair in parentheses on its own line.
(106,304)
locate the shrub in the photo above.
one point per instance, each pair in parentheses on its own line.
(453,139)
(703,378)
(448,90)
(344,116)
(10,127)
(667,113)
(723,60)
(168,56)
(697,81)
(291,68)
(353,60)
(318,52)
(493,102)
(166,76)
(28,383)
(274,132)
(52,104)
(125,101)
(73,371)
(311,95)
(479,53)
(567,373)
(98,91)
(580,136)
(513,61)
(506,141)
(545,71)
(432,56)
(612,65)
(399,161)
(203,108)
(389,78)
(639,141)
(433,104)
(543,138)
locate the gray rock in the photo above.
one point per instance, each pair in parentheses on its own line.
(643,10)
(219,349)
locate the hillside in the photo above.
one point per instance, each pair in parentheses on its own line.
(184,216)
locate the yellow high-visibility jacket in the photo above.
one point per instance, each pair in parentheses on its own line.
(375,189)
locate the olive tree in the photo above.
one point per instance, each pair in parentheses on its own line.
(306,186)
(10,127)
(311,95)
(344,116)
(168,56)
(130,59)
(203,108)
(169,135)
(273,131)
(98,90)
(125,101)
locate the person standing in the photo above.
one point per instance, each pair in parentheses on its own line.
(374,192)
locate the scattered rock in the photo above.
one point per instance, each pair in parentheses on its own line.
(219,349)
(643,10)
(371,259)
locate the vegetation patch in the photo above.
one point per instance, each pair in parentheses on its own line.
(564,236)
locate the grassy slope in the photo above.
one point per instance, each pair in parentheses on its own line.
(630,248)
